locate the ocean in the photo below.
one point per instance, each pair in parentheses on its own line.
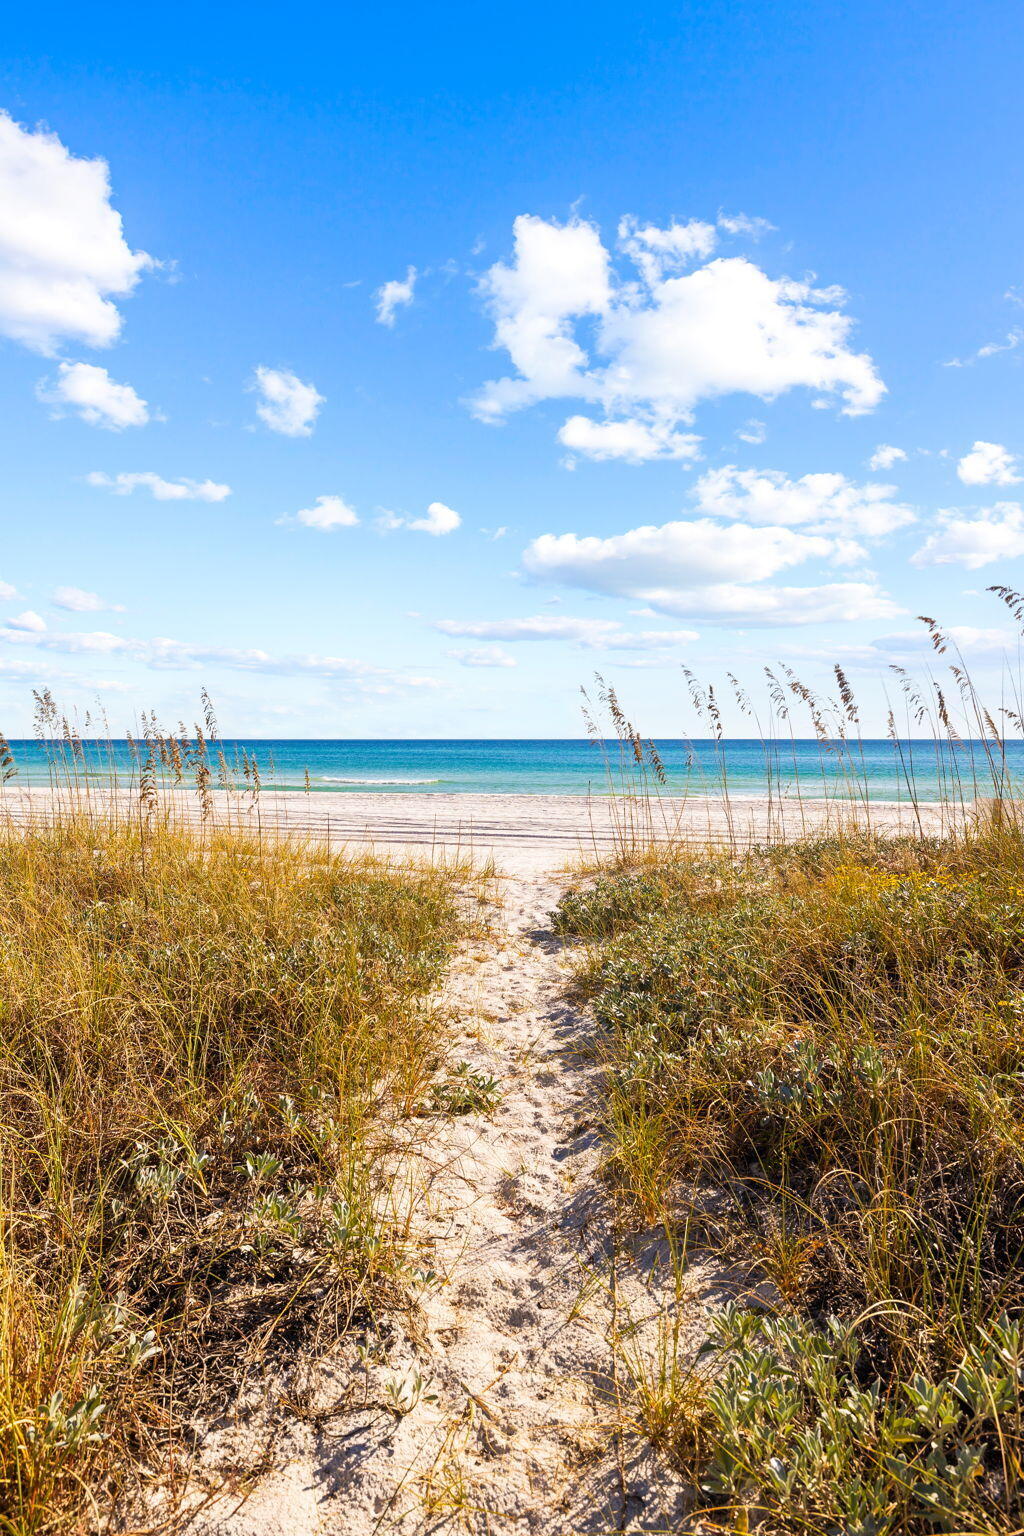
(573,766)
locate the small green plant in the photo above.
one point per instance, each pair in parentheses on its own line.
(464,1092)
(405,1393)
(801,1432)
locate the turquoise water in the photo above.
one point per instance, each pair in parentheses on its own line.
(572,767)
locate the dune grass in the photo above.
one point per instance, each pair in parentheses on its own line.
(816,1059)
(210,1042)
(815,1054)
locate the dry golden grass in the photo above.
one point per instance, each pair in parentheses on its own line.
(208,1040)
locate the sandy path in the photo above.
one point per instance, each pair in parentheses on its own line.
(507,1363)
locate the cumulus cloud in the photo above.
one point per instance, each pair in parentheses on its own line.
(438,521)
(160,489)
(634,441)
(665,340)
(824,503)
(752,431)
(7,591)
(591,634)
(747,527)
(394,295)
(659,251)
(31,621)
(652,558)
(885,456)
(63,255)
(286,404)
(327,513)
(988,464)
(94,396)
(77,600)
(842,602)
(483,656)
(702,568)
(997,533)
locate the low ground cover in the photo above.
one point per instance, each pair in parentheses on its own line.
(207,1042)
(817,1051)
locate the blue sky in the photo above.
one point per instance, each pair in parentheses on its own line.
(675,282)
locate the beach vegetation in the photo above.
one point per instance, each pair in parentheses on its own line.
(814,1060)
(213,1041)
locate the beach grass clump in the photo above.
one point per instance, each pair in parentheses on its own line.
(816,1053)
(211,1042)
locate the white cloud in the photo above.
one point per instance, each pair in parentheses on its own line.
(483,656)
(1012,342)
(702,568)
(286,404)
(328,512)
(745,224)
(167,654)
(438,521)
(90,643)
(585,631)
(825,503)
(632,440)
(997,533)
(752,431)
(730,603)
(885,456)
(161,489)
(753,524)
(394,295)
(662,344)
(95,396)
(660,251)
(591,634)
(7,591)
(33,622)
(988,464)
(63,256)
(560,274)
(652,558)
(652,640)
(76,600)
(968,638)
(175,654)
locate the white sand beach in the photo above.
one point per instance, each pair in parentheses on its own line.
(523,834)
